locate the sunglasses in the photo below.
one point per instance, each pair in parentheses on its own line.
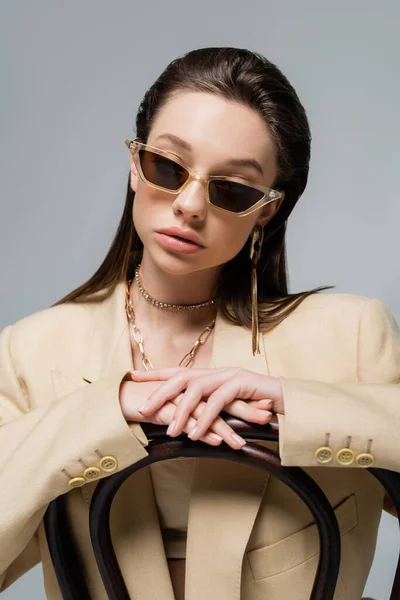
(164,171)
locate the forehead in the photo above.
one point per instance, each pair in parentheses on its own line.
(217,129)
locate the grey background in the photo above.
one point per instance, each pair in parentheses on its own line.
(72,76)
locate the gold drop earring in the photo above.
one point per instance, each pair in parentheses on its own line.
(255,252)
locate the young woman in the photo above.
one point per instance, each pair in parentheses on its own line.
(190,315)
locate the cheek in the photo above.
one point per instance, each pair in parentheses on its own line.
(140,220)
(144,200)
(148,209)
(231,237)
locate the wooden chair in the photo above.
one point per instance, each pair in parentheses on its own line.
(65,556)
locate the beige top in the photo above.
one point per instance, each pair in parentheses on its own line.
(172,481)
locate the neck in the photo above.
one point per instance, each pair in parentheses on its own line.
(182,288)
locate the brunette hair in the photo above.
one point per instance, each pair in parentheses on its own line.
(247,77)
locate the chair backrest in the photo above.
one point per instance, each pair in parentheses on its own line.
(65,556)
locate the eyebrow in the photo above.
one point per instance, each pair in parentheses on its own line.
(235,162)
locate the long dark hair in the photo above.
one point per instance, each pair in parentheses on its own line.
(249,78)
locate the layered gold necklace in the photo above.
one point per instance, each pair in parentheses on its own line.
(137,337)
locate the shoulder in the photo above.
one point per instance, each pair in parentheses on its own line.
(345,318)
(47,330)
(327,309)
(333,317)
(52,320)
(334,303)
(336,336)
(345,309)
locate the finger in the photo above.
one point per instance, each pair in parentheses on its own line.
(248,385)
(241,409)
(165,415)
(219,426)
(241,386)
(201,386)
(210,437)
(254,386)
(167,390)
(215,404)
(249,411)
(267,404)
(191,397)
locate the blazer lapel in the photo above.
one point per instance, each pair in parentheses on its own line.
(225,499)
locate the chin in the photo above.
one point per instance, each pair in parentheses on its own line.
(175,264)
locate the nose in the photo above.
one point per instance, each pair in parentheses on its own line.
(191,202)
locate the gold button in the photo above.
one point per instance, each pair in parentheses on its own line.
(324,454)
(76,482)
(345,456)
(108,463)
(365,460)
(91,473)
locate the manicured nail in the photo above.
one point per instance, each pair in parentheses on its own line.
(171,428)
(238,439)
(265,403)
(192,433)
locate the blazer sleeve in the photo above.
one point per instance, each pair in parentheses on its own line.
(40,450)
(366,409)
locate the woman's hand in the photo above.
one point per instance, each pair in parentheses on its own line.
(224,389)
(133,394)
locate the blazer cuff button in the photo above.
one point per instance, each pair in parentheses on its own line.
(91,473)
(108,463)
(324,455)
(345,456)
(76,482)
(365,460)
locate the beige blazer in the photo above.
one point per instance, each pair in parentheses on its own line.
(249,537)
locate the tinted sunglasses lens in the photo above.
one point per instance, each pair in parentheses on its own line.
(162,171)
(233,196)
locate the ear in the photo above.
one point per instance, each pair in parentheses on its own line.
(134,175)
(270,210)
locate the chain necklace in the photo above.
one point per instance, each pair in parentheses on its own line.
(150,299)
(187,360)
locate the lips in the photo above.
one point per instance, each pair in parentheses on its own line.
(178,237)
(181,234)
(177,244)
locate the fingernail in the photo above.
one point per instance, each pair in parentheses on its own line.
(192,433)
(265,403)
(171,427)
(238,439)
(142,408)
(215,437)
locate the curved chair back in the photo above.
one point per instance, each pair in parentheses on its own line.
(65,555)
